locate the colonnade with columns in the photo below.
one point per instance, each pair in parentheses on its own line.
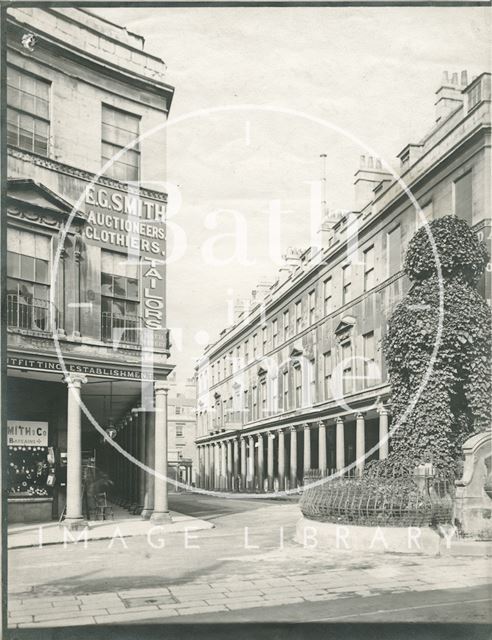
(143,437)
(278,458)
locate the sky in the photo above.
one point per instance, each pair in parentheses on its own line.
(301,82)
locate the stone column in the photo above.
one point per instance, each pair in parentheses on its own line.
(229,466)
(211,479)
(74,518)
(270,437)
(360,442)
(223,466)
(340,436)
(281,460)
(235,467)
(293,457)
(307,448)
(383,434)
(148,507)
(251,463)
(322,447)
(207,466)
(217,466)
(261,462)
(161,505)
(243,463)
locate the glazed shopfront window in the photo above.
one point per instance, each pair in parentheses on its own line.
(120,321)
(28,277)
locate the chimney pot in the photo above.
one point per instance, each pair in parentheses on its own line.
(378,163)
(464,78)
(370,162)
(454,79)
(362,162)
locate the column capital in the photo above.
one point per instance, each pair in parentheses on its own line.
(280,431)
(271,435)
(292,428)
(160,386)
(306,426)
(75,379)
(360,415)
(321,423)
(383,411)
(339,420)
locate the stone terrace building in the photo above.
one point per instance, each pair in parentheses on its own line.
(80,89)
(182,429)
(299,381)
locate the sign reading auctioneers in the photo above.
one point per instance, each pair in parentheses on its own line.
(26,433)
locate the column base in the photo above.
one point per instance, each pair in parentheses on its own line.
(161,517)
(74,524)
(146,513)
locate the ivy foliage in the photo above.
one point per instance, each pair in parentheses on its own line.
(437,407)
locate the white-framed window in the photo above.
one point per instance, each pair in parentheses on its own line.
(286,318)
(393,251)
(285,390)
(369,273)
(298,309)
(463,197)
(298,386)
(255,345)
(119,298)
(346,283)
(369,353)
(327,295)
(254,393)
(180,429)
(327,372)
(28,111)
(347,373)
(263,398)
(246,351)
(264,339)
(275,332)
(120,128)
(28,278)
(312,306)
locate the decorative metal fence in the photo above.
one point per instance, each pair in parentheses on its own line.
(372,500)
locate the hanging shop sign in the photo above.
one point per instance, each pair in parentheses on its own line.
(27,433)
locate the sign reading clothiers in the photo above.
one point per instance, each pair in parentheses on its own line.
(133,224)
(27,433)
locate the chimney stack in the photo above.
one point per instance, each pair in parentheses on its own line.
(449,95)
(367,177)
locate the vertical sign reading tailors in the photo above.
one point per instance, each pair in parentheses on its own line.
(134,224)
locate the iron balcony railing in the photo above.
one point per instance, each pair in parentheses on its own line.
(31,314)
(121,329)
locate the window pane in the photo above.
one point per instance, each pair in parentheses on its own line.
(131,309)
(107,262)
(27,267)
(25,291)
(41,270)
(13,266)
(119,307)
(132,288)
(42,247)
(119,286)
(463,197)
(12,286)
(394,253)
(106,284)
(40,292)
(106,305)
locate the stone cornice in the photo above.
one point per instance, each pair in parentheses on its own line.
(82,174)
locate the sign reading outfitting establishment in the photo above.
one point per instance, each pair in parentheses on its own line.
(134,224)
(27,433)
